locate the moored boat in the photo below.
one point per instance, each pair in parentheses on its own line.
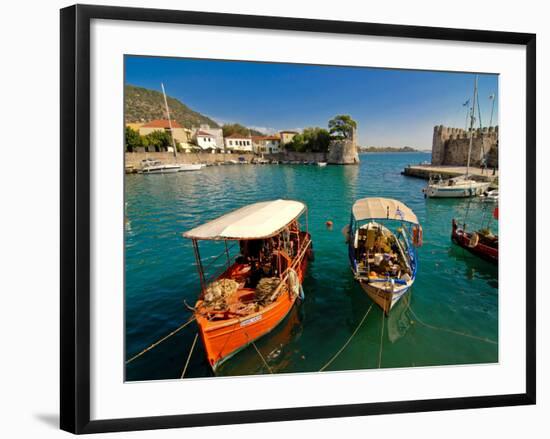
(383,261)
(257,289)
(457,187)
(184,167)
(149,166)
(482,242)
(321,164)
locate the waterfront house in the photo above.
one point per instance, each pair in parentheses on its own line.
(215,134)
(179,133)
(205,141)
(266,144)
(238,142)
(286,136)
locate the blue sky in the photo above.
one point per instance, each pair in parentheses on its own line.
(391,107)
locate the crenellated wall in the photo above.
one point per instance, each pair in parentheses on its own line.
(450,146)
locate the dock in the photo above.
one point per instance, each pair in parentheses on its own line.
(425,171)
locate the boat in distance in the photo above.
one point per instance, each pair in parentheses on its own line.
(149,166)
(382,238)
(256,289)
(457,187)
(185,167)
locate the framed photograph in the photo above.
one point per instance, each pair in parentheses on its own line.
(268,219)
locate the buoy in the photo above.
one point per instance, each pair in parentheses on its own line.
(329,224)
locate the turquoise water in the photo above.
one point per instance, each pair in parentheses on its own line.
(455,293)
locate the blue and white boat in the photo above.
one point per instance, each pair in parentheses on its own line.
(383,236)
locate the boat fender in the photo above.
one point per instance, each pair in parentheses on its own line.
(417,235)
(294,283)
(474,240)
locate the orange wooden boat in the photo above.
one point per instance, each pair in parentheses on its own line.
(258,288)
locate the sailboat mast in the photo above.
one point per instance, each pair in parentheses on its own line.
(169,121)
(472,118)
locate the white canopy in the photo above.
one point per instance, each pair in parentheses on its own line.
(255,221)
(383,208)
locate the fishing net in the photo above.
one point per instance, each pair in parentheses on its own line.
(265,289)
(218,292)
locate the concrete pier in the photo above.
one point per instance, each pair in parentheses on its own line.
(425,171)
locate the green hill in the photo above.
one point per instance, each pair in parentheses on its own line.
(144,105)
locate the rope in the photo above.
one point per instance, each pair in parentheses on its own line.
(381,339)
(189,356)
(262,357)
(147,349)
(452,331)
(347,342)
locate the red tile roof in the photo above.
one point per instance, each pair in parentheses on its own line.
(237,136)
(204,134)
(161,123)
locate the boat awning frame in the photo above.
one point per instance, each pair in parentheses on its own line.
(255,221)
(383,208)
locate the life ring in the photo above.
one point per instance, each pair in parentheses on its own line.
(474,240)
(417,235)
(294,285)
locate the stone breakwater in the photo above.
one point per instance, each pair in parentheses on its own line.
(134,158)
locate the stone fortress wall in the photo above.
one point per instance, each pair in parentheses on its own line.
(450,146)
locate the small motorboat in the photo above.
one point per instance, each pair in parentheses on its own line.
(149,166)
(490,196)
(258,287)
(482,242)
(321,164)
(382,237)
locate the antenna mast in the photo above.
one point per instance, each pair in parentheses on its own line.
(472,118)
(169,121)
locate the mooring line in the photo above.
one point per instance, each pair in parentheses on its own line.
(347,342)
(147,349)
(262,357)
(189,356)
(381,339)
(452,331)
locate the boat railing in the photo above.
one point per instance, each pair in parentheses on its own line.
(297,260)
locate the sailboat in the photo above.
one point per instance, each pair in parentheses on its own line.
(462,186)
(184,166)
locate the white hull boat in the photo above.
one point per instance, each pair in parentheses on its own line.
(191,167)
(457,187)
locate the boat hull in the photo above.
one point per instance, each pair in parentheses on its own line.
(456,192)
(190,167)
(224,338)
(163,170)
(385,298)
(462,239)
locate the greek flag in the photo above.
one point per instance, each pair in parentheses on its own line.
(398,212)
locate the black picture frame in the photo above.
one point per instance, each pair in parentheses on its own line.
(75,217)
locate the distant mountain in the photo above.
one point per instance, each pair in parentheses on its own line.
(387,149)
(144,105)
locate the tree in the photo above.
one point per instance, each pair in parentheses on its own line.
(342,126)
(312,139)
(133,139)
(236,128)
(159,140)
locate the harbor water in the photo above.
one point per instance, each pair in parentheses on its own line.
(449,317)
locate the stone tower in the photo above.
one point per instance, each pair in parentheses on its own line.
(344,152)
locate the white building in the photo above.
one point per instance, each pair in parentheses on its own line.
(205,141)
(215,133)
(266,144)
(238,142)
